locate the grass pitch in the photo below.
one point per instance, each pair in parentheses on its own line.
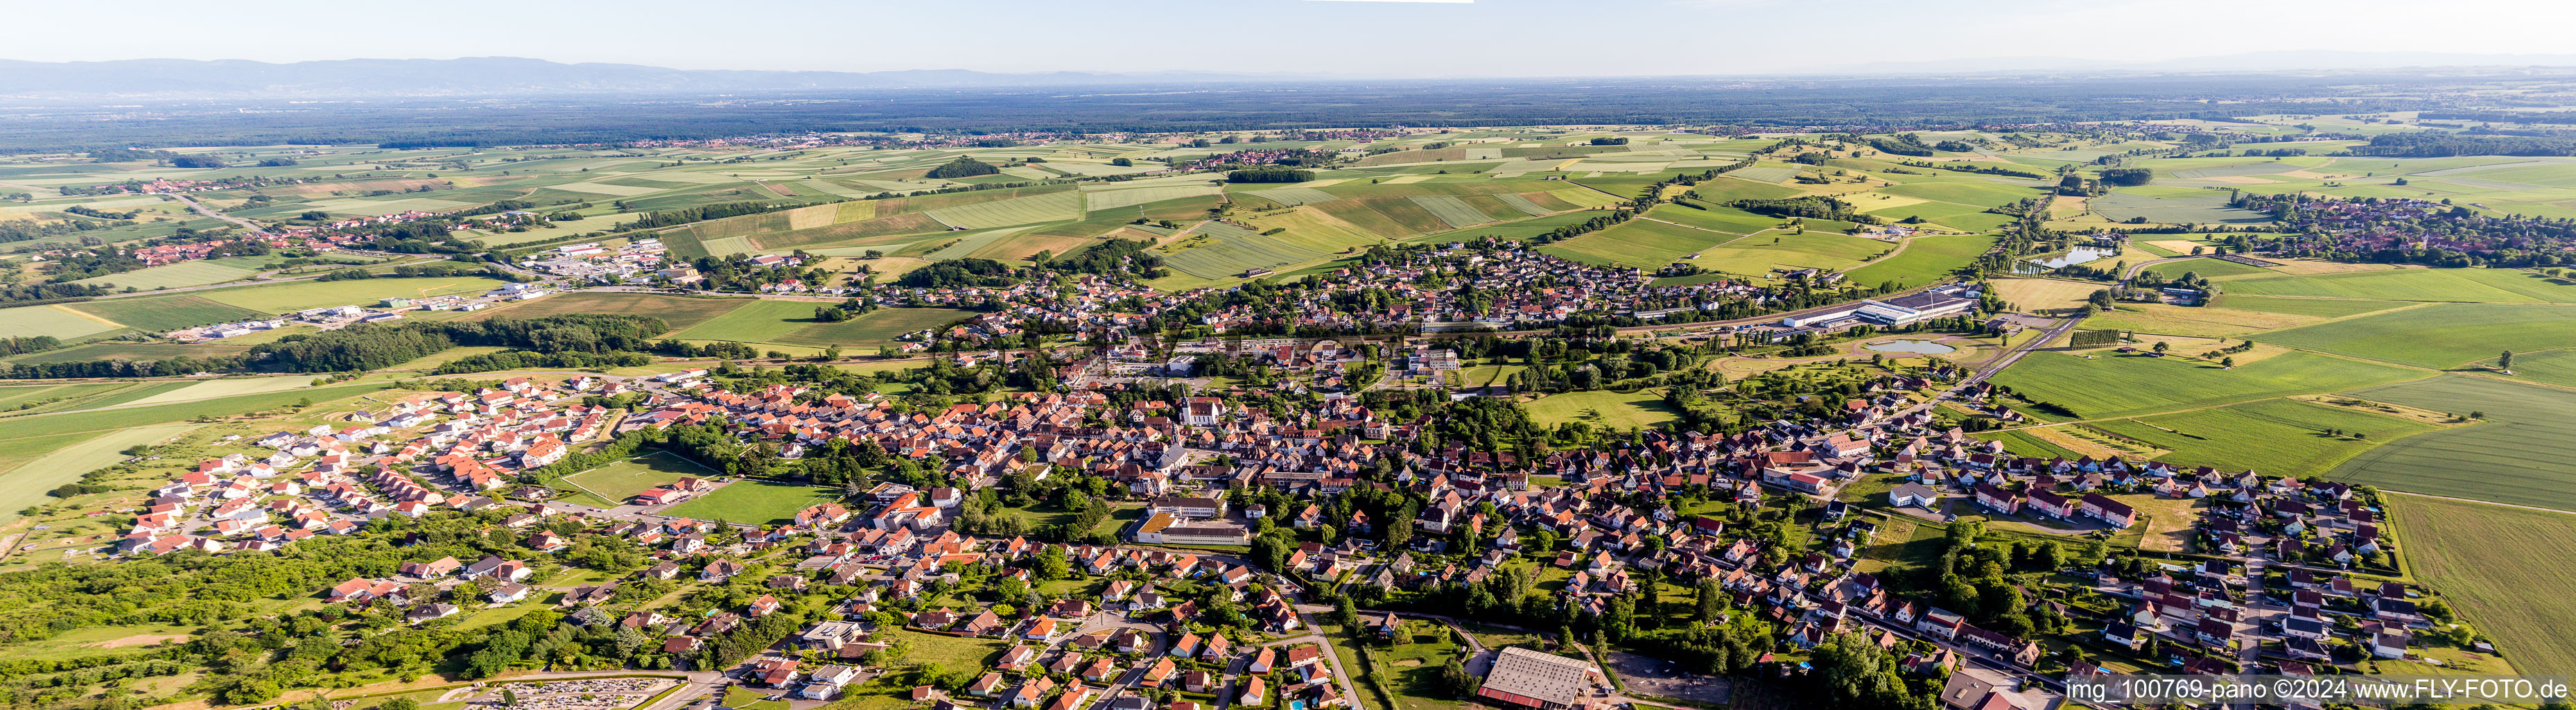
(753,502)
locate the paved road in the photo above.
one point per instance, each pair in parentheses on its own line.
(201,209)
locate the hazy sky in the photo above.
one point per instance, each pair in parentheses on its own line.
(1354,37)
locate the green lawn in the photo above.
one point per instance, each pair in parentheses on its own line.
(1645,408)
(2024,444)
(949,652)
(754,502)
(2115,385)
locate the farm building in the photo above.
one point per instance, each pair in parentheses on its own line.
(1532,679)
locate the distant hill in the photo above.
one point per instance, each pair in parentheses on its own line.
(486,76)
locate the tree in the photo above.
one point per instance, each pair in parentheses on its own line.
(2505,361)
(2162,346)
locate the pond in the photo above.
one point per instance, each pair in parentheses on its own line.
(1920,347)
(2072,257)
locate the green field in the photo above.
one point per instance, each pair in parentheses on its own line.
(2468,285)
(2024,444)
(2441,335)
(162,313)
(2118,386)
(2506,569)
(2518,455)
(2283,437)
(2319,307)
(227,387)
(1602,408)
(758,321)
(2197,209)
(682,312)
(1049,207)
(1925,260)
(753,502)
(875,328)
(1215,251)
(1640,243)
(2557,367)
(613,484)
(25,486)
(304,295)
(185,273)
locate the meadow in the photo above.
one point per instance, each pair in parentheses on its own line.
(2127,385)
(185,273)
(1639,243)
(2466,285)
(2441,335)
(752,502)
(2197,209)
(227,387)
(2319,307)
(2195,321)
(1602,408)
(2517,455)
(2283,437)
(2506,569)
(58,320)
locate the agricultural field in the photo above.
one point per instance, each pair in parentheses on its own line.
(682,312)
(1215,251)
(228,387)
(2528,430)
(27,484)
(185,273)
(58,320)
(2504,568)
(2045,296)
(2319,307)
(877,328)
(2195,321)
(1640,243)
(2197,209)
(304,295)
(162,313)
(2442,335)
(2465,285)
(2275,436)
(752,502)
(1926,259)
(2557,367)
(758,321)
(2127,385)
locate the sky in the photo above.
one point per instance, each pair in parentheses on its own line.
(1359,38)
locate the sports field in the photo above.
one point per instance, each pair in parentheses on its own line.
(682,312)
(753,502)
(2283,437)
(2517,455)
(874,328)
(2111,385)
(618,481)
(2506,569)
(2469,285)
(2441,335)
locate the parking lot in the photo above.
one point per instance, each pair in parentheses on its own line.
(1647,676)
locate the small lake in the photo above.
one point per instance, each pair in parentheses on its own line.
(2072,257)
(1919,347)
